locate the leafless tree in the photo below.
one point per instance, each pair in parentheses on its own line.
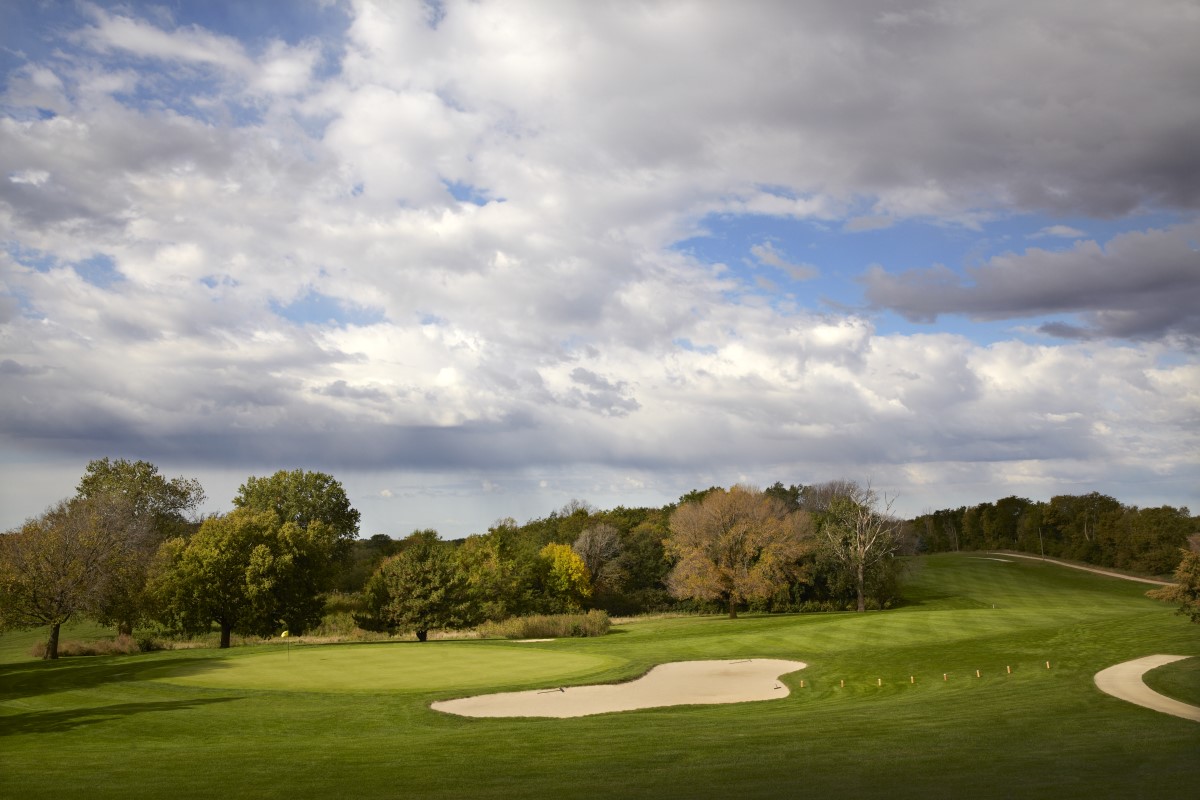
(859,535)
(599,547)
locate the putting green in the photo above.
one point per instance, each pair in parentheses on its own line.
(397,667)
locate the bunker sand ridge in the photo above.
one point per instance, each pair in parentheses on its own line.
(672,684)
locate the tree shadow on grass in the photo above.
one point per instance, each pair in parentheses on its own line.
(38,678)
(34,722)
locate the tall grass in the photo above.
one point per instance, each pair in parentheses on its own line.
(548,626)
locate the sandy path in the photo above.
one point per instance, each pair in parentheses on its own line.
(1124,681)
(674,684)
(1096,570)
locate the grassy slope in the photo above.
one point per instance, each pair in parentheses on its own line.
(204,723)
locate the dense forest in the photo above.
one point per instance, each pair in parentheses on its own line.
(1093,528)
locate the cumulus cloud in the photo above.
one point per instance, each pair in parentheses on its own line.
(489,197)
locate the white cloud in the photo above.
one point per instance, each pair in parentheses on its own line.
(543,336)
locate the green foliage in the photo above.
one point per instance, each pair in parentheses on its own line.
(1093,528)
(169,504)
(498,583)
(225,574)
(420,589)
(302,497)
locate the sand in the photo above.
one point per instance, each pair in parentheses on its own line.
(1124,681)
(675,684)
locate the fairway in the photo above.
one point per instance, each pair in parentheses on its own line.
(949,695)
(393,667)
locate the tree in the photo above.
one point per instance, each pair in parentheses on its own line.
(599,547)
(735,545)
(1186,590)
(496,581)
(156,509)
(857,536)
(224,574)
(565,579)
(169,504)
(421,588)
(53,567)
(302,497)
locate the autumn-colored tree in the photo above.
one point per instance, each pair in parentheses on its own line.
(54,567)
(1186,590)
(735,545)
(565,579)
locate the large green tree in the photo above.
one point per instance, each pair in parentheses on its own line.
(220,575)
(302,497)
(156,509)
(54,567)
(735,545)
(421,588)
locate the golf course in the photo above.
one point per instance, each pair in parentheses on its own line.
(980,685)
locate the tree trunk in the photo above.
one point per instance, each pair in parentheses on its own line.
(226,629)
(52,642)
(862,600)
(732,608)
(422,635)
(125,629)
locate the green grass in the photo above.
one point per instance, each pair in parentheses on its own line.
(354,720)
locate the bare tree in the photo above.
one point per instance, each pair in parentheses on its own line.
(599,547)
(859,536)
(735,545)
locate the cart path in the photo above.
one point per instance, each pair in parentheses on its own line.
(1124,681)
(1096,570)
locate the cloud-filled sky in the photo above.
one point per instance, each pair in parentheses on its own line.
(477,259)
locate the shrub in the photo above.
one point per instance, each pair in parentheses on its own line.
(548,626)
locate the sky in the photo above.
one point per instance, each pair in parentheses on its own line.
(479,259)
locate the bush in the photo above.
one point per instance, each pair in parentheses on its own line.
(548,626)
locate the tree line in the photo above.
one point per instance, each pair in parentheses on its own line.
(1093,528)
(130,549)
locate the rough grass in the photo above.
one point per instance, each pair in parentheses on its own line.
(354,719)
(548,626)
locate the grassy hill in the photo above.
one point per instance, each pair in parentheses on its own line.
(912,719)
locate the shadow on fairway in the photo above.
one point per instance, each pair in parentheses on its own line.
(61,721)
(38,678)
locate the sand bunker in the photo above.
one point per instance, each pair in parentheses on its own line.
(677,684)
(1124,681)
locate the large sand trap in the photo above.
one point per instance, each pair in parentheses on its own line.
(1124,681)
(677,684)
